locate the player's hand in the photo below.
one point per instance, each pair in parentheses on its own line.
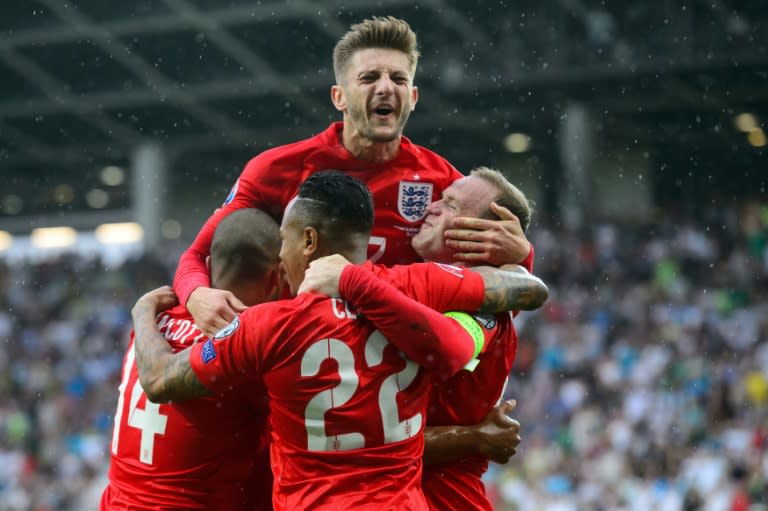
(156,300)
(213,309)
(499,434)
(494,242)
(322,276)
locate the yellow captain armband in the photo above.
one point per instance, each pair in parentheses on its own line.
(469,324)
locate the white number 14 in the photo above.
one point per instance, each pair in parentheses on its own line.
(149,420)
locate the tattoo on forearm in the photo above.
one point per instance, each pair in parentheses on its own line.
(506,290)
(180,380)
(156,362)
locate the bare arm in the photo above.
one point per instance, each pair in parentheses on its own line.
(511,287)
(495,438)
(164,375)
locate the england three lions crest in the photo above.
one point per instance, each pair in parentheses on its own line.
(413,199)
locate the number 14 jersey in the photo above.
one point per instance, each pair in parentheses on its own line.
(203,454)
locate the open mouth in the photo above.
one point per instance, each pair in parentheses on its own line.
(384,111)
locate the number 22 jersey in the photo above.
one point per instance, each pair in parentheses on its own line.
(347,410)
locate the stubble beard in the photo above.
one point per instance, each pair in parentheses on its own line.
(367,130)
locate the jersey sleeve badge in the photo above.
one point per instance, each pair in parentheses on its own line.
(232,193)
(228,330)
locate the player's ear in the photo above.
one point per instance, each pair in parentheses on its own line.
(337,98)
(414,97)
(310,242)
(273,282)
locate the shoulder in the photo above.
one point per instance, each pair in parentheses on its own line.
(270,313)
(429,270)
(176,314)
(428,158)
(284,154)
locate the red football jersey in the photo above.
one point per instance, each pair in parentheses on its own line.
(465,399)
(346,408)
(202,454)
(401,188)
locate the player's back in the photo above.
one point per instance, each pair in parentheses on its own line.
(197,454)
(347,411)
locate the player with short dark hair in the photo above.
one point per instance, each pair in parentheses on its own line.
(346,407)
(199,454)
(464,427)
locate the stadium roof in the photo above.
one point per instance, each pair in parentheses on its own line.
(85,81)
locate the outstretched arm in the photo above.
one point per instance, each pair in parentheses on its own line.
(212,309)
(495,438)
(507,288)
(425,336)
(164,375)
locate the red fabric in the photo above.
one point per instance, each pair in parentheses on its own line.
(465,399)
(740,501)
(443,287)
(272,178)
(425,336)
(202,451)
(346,409)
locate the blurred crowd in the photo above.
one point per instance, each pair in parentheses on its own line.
(64,326)
(641,385)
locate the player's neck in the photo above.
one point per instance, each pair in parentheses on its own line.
(354,249)
(366,149)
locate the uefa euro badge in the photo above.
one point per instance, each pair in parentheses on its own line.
(228,330)
(413,199)
(232,193)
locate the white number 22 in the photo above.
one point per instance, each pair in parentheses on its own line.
(149,420)
(395,430)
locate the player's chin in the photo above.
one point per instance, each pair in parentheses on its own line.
(385,129)
(385,134)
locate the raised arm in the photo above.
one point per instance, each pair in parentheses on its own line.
(163,374)
(214,309)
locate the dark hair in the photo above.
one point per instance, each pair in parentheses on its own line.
(245,246)
(335,204)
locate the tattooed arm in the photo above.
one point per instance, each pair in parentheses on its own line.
(511,287)
(164,375)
